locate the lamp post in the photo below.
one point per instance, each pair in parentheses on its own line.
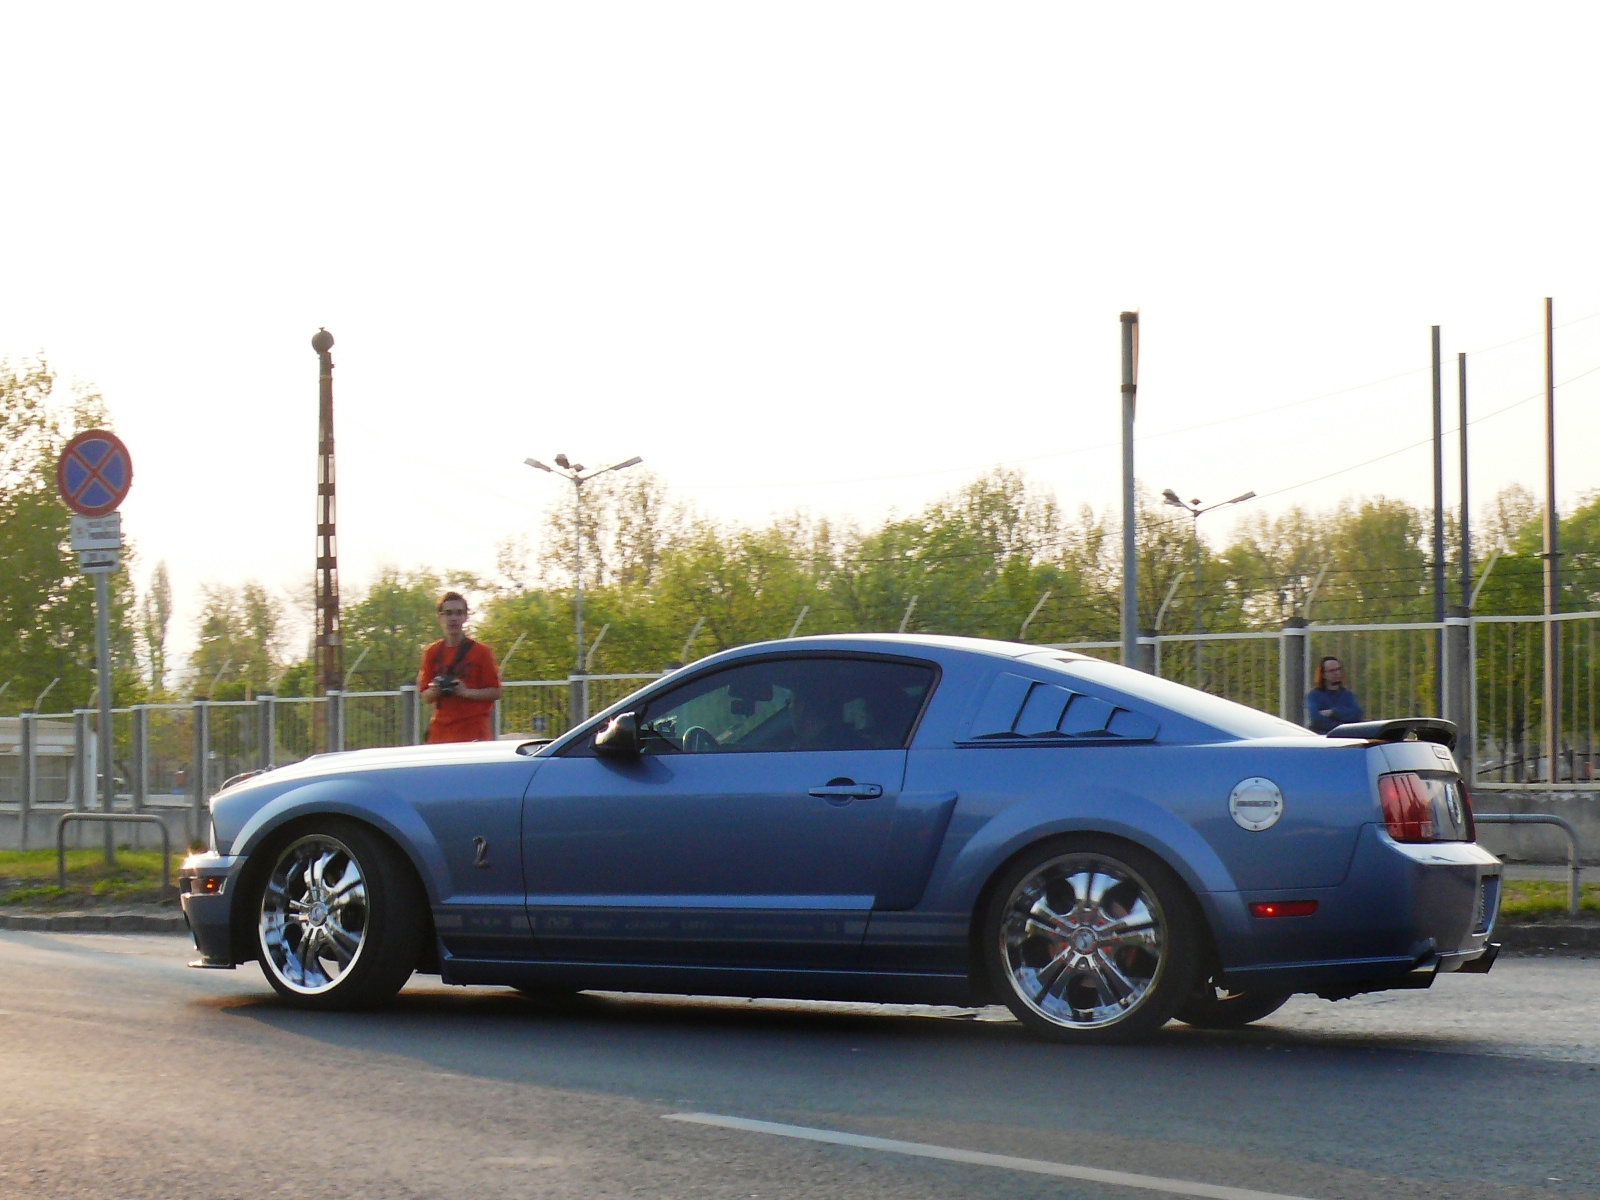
(576,473)
(1196,510)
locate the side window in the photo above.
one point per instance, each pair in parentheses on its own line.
(789,704)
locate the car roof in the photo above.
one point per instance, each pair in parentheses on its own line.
(887,643)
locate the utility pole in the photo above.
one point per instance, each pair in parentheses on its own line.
(329,644)
(1466,513)
(1552,551)
(1438,526)
(1196,510)
(575,472)
(1130,544)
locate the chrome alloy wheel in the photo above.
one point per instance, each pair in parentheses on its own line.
(313,914)
(1083,940)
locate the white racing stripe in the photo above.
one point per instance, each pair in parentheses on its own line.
(1152,1183)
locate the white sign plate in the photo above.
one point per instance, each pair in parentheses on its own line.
(99,562)
(97,533)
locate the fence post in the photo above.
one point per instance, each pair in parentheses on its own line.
(139,767)
(200,772)
(408,714)
(79,787)
(1458,685)
(266,730)
(1145,658)
(26,774)
(577,699)
(1292,671)
(335,720)
(495,718)
(82,782)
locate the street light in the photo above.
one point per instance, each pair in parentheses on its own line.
(575,472)
(1196,510)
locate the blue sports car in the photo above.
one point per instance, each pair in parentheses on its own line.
(905,818)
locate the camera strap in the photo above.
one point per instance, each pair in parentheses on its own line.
(461,653)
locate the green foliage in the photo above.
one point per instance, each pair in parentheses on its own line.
(1532,899)
(240,651)
(388,628)
(28,879)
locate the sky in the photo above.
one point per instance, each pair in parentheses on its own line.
(840,257)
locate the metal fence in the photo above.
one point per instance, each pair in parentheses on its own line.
(1485,673)
(176,756)
(1491,684)
(1510,699)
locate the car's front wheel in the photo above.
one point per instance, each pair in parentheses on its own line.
(339,918)
(1091,940)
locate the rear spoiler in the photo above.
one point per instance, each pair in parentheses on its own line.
(1400,729)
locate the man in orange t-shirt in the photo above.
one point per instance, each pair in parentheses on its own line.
(459,678)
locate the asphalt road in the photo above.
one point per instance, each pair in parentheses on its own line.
(122,1074)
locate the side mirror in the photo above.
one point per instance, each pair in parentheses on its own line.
(620,737)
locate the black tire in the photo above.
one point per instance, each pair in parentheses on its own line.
(338,944)
(1214,1008)
(1119,960)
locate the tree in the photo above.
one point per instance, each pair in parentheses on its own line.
(388,628)
(155,613)
(240,642)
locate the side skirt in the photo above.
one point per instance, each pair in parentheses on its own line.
(876,987)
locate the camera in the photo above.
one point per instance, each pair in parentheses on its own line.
(445,684)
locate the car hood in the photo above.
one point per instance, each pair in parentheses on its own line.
(344,762)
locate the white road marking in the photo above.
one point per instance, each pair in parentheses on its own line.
(1152,1183)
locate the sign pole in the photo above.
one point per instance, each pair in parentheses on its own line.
(93,475)
(102,643)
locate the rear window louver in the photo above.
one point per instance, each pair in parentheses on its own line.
(1018,709)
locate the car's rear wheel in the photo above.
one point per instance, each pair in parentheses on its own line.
(1217,1008)
(339,918)
(1091,940)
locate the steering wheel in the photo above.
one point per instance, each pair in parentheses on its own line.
(697,739)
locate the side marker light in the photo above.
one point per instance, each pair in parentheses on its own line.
(1283,908)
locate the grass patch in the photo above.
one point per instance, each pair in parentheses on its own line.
(1537,899)
(28,879)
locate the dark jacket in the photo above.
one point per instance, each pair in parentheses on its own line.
(1344,705)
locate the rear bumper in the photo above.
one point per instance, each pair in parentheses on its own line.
(1403,915)
(207,887)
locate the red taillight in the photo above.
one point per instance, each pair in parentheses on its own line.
(1406,809)
(1284,908)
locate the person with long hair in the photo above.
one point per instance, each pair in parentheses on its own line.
(1329,703)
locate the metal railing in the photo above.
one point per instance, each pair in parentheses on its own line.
(1484,673)
(1574,851)
(172,756)
(110,818)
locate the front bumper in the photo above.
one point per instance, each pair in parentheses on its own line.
(1403,915)
(208,884)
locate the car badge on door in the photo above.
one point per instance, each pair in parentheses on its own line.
(1255,804)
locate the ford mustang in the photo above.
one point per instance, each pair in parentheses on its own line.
(891,818)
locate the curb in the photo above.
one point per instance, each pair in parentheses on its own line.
(1549,938)
(79,922)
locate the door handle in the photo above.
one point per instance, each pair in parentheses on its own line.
(848,791)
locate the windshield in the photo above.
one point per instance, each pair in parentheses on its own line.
(1230,718)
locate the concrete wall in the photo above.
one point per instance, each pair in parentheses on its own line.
(42,830)
(1539,844)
